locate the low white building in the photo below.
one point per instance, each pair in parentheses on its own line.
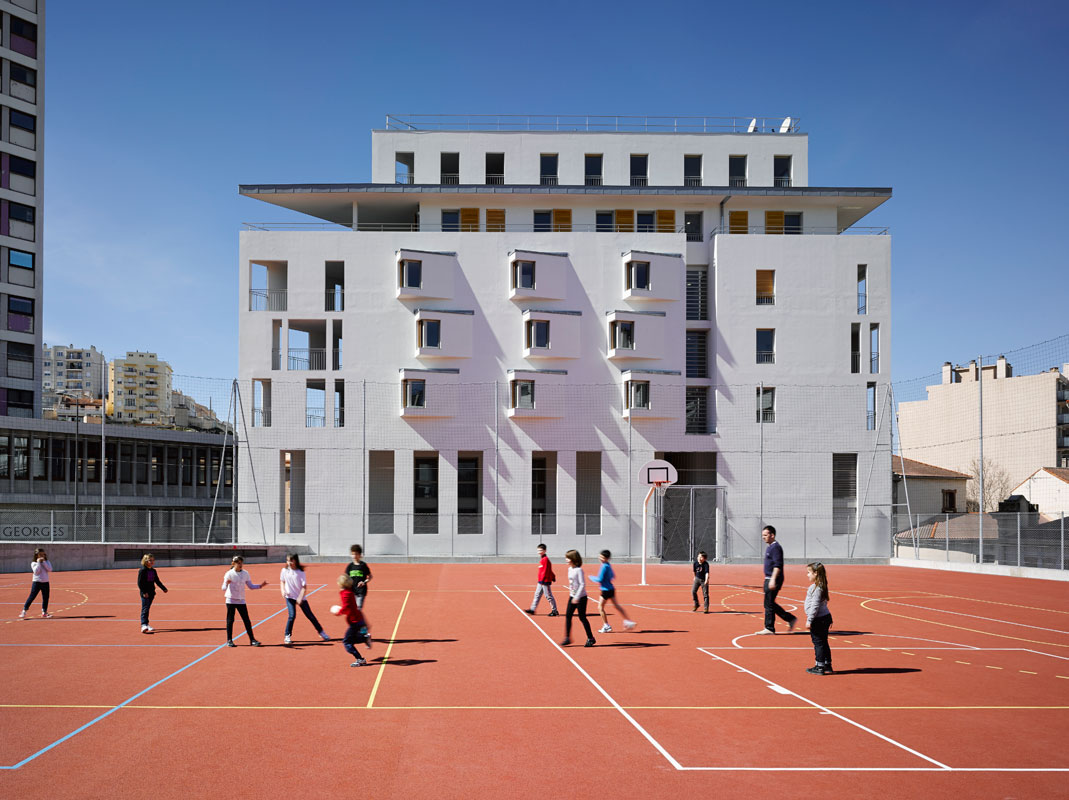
(483,344)
(925,489)
(1048,490)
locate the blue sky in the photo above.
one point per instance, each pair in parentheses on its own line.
(155,112)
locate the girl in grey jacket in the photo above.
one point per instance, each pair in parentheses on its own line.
(818,618)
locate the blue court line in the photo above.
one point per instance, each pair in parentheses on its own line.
(129,700)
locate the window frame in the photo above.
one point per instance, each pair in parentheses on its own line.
(632,271)
(531,334)
(405,273)
(423,328)
(617,329)
(409,393)
(518,268)
(519,399)
(766,405)
(635,391)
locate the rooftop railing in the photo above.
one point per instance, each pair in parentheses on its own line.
(805,229)
(432,227)
(778,123)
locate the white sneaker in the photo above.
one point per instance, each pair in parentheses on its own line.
(605,629)
(629,624)
(144,629)
(46,615)
(22,614)
(149,629)
(288,640)
(766,632)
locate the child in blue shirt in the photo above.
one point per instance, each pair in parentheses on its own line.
(604,579)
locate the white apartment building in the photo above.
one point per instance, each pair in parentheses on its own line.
(22,108)
(139,389)
(70,370)
(1025,422)
(534,311)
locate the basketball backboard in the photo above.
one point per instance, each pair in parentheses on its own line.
(657,472)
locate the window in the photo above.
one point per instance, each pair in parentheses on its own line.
(692,170)
(543,221)
(592,166)
(697,354)
(27,122)
(20,360)
(20,314)
(874,348)
(766,345)
(21,74)
(523,274)
(39,459)
(697,294)
(843,493)
(588,493)
(451,220)
(430,333)
(766,287)
(622,335)
(736,170)
(22,166)
(637,394)
(766,404)
(637,275)
(469,493)
(640,170)
(495,169)
(870,404)
(404,164)
(523,395)
(950,501)
(411,274)
(380,491)
(855,348)
(862,288)
(548,169)
(543,493)
(414,393)
(27,30)
(697,409)
(738,222)
(692,225)
(450,168)
(425,493)
(17,211)
(781,170)
(604,222)
(792,223)
(645,221)
(537,334)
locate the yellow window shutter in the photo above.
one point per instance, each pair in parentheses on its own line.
(738,222)
(469,219)
(625,220)
(562,220)
(773,222)
(666,221)
(765,282)
(495,220)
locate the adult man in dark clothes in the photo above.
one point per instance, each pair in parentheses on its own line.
(773,582)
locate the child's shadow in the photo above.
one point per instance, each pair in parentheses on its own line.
(404,662)
(412,641)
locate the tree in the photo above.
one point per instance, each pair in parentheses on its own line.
(997,485)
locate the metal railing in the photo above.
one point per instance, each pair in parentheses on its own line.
(782,181)
(692,180)
(592,180)
(336,361)
(315,418)
(404,177)
(766,415)
(300,359)
(640,180)
(548,180)
(766,357)
(855,363)
(436,227)
(339,417)
(335,301)
(862,302)
(267,299)
(874,363)
(766,298)
(143,526)
(261,418)
(737,181)
(586,122)
(495,180)
(450,179)
(1016,539)
(870,421)
(805,229)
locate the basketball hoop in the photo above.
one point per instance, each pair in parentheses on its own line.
(658,475)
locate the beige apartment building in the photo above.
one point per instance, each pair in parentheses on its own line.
(1025,424)
(139,389)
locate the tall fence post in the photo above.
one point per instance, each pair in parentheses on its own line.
(805,537)
(1061,562)
(946,535)
(193,527)
(52,525)
(1018,538)
(149,512)
(319,532)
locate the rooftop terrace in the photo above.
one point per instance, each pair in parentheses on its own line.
(595,123)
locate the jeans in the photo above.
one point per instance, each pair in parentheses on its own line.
(360,599)
(241,609)
(35,587)
(774,609)
(307,609)
(543,589)
(146,604)
(354,634)
(698,582)
(818,632)
(580,606)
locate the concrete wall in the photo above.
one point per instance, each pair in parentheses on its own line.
(15,557)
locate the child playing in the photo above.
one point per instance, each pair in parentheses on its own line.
(147,581)
(577,599)
(545,581)
(357,630)
(701,580)
(234,583)
(360,572)
(42,569)
(294,588)
(818,618)
(604,579)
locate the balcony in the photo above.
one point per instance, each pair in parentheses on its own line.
(315,418)
(855,363)
(334,301)
(450,179)
(766,356)
(640,180)
(805,230)
(766,298)
(495,180)
(766,415)
(692,180)
(738,181)
(862,303)
(261,418)
(300,359)
(548,180)
(496,227)
(267,300)
(404,177)
(592,180)
(782,181)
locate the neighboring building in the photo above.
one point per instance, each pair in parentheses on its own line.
(1048,490)
(139,389)
(73,370)
(1025,424)
(534,311)
(22,110)
(926,489)
(70,408)
(188,413)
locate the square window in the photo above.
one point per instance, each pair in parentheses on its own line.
(430,333)
(523,274)
(605,222)
(766,345)
(411,274)
(638,394)
(523,394)
(27,122)
(622,335)
(638,275)
(543,221)
(414,393)
(645,222)
(537,334)
(451,220)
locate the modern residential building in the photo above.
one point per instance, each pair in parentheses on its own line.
(1025,424)
(534,307)
(70,370)
(139,389)
(22,108)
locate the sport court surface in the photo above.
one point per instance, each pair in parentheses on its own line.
(946,682)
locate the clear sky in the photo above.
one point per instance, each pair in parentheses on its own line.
(155,112)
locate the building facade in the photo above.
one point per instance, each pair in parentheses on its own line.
(533,314)
(76,371)
(22,104)
(139,389)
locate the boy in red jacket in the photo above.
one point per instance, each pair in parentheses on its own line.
(357,630)
(545,581)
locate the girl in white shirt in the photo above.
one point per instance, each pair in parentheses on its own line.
(294,588)
(42,569)
(577,599)
(234,583)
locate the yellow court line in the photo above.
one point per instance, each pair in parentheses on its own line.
(385,658)
(537,708)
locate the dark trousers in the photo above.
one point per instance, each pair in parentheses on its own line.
(354,634)
(241,609)
(35,587)
(146,604)
(698,583)
(818,632)
(774,609)
(580,606)
(307,609)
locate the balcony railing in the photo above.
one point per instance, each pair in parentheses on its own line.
(640,180)
(434,227)
(737,181)
(592,180)
(692,180)
(805,229)
(261,418)
(862,302)
(782,181)
(336,362)
(495,180)
(450,179)
(339,417)
(1063,419)
(874,363)
(855,363)
(765,415)
(404,177)
(766,357)
(307,358)
(587,122)
(335,301)
(276,359)
(267,300)
(870,421)
(315,418)
(766,298)
(548,180)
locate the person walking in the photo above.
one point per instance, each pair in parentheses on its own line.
(294,588)
(773,583)
(147,581)
(577,599)
(701,580)
(545,583)
(234,583)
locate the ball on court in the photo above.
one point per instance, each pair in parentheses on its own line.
(335,610)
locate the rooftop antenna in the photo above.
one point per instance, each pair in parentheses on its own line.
(786,126)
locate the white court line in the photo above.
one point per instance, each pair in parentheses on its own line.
(783,690)
(1041,653)
(878,649)
(39,644)
(668,757)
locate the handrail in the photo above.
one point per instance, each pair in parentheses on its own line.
(753,123)
(788,230)
(455,227)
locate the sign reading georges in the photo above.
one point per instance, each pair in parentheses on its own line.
(657,471)
(33,532)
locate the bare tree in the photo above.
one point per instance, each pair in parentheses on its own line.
(997,485)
